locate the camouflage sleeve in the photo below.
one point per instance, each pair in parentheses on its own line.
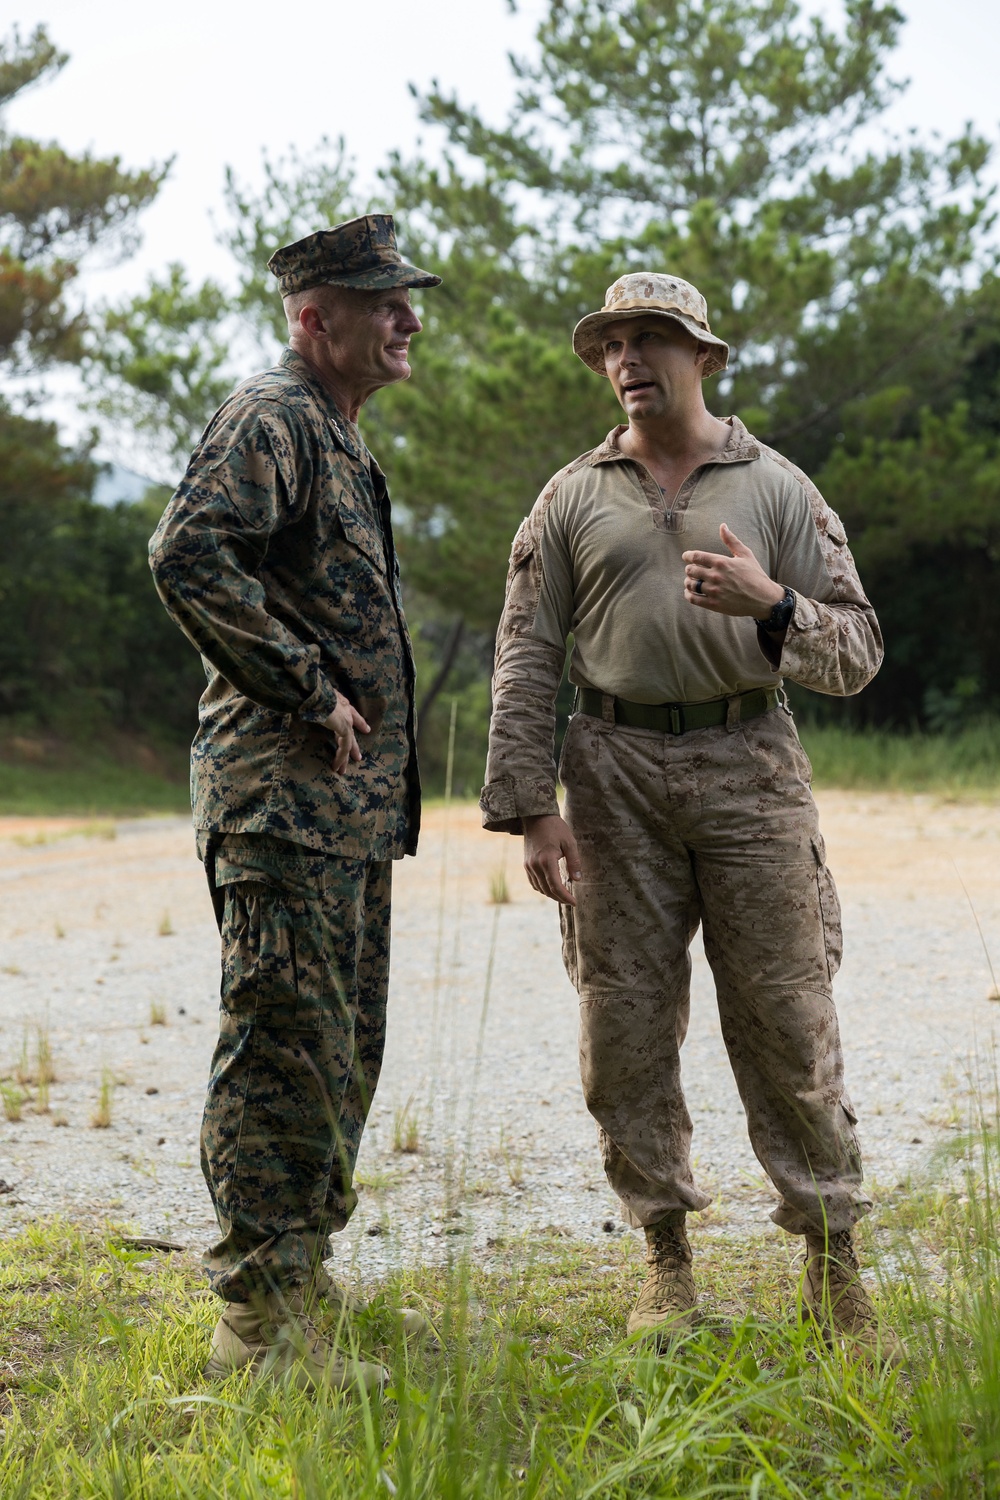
(833,645)
(206,553)
(520,769)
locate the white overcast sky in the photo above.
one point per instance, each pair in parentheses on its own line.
(212,82)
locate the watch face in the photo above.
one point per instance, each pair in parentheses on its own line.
(781,614)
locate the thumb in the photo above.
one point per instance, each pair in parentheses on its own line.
(732,541)
(571,854)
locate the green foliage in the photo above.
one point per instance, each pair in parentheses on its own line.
(716,138)
(534,1392)
(461,514)
(925,510)
(97,780)
(161,363)
(25,63)
(84,642)
(962,761)
(54,207)
(690,99)
(299,195)
(719,139)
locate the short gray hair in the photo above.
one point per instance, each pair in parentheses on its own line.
(296,301)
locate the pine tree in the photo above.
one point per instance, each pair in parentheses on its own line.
(54,208)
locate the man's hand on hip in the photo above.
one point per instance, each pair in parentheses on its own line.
(547,840)
(342,724)
(734,585)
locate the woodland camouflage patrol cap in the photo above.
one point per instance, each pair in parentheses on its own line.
(638,295)
(360,253)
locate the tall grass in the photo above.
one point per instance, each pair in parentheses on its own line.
(534,1393)
(967,761)
(93,788)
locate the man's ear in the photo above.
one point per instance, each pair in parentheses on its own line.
(312,320)
(700,355)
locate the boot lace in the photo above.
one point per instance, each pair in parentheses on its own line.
(667,1244)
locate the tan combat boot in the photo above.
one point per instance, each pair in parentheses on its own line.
(836,1298)
(325,1288)
(413,1325)
(667,1300)
(322,1286)
(275,1339)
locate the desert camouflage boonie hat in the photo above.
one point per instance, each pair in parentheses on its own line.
(360,253)
(638,295)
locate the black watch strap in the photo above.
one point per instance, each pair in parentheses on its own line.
(780,616)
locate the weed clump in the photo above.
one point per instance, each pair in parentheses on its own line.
(13,1101)
(513,1161)
(101,1118)
(406,1129)
(23,1072)
(44,1069)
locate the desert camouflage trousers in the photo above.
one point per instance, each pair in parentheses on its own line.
(716,827)
(305,969)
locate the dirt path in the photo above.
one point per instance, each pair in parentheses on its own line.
(99,936)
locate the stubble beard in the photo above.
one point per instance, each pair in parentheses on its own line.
(651,407)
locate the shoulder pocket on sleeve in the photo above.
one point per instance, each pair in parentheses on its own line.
(835,529)
(254,474)
(523,547)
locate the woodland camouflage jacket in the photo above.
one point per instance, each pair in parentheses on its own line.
(275,557)
(600,558)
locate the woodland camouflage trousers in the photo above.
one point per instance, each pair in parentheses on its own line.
(715,827)
(305,968)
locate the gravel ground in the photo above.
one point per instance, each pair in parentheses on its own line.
(106,934)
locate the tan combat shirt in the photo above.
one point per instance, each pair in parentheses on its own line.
(276,558)
(600,558)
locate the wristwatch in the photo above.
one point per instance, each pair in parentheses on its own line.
(780,617)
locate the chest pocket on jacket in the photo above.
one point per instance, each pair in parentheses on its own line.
(363,534)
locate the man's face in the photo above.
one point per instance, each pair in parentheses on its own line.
(367,335)
(653,364)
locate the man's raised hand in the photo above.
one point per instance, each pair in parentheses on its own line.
(734,585)
(342,724)
(547,840)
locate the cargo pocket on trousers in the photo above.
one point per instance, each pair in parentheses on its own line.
(853,1144)
(829,906)
(272,958)
(568,928)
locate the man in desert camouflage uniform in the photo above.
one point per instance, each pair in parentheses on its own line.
(694,567)
(275,557)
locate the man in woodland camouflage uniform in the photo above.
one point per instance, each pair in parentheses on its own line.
(275,557)
(693,567)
